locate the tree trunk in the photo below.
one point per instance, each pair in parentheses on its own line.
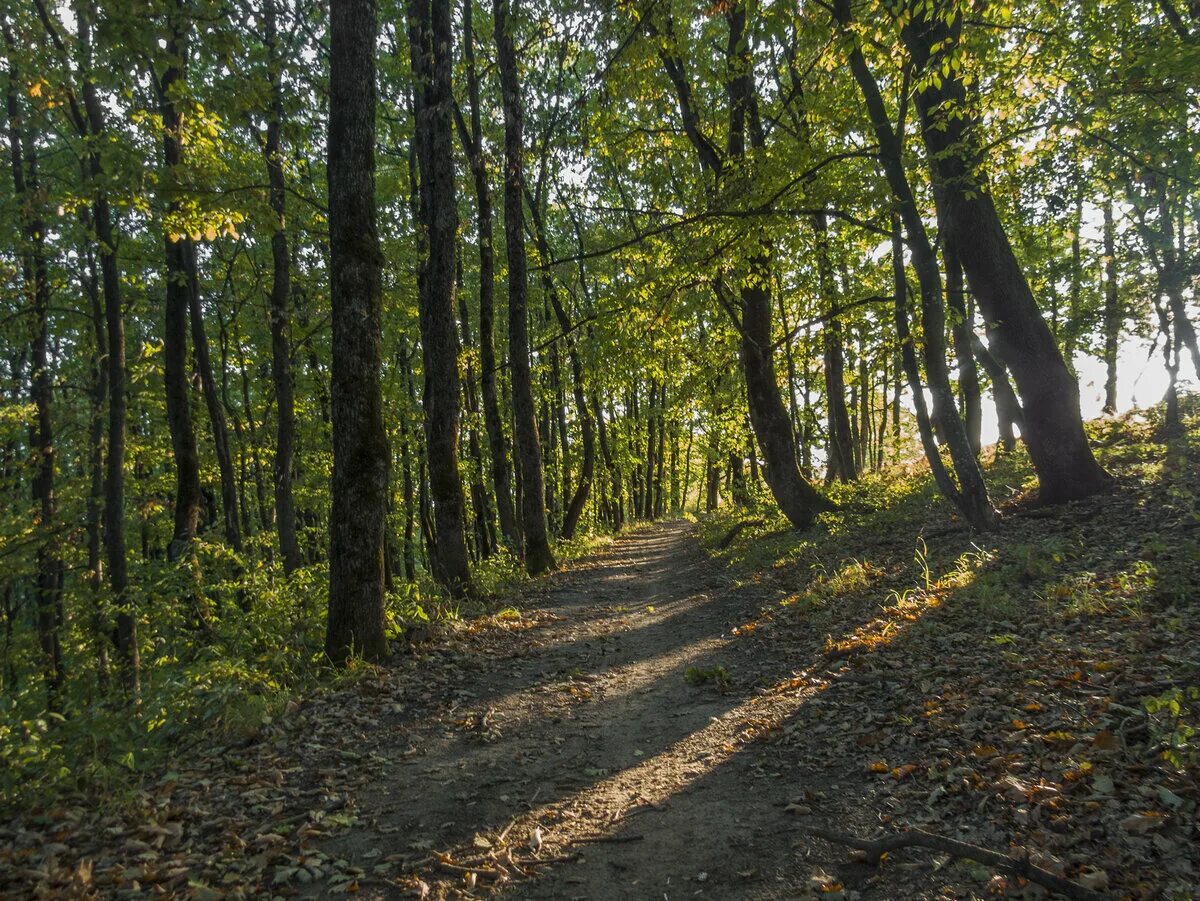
(360,446)
(432,42)
(1112,311)
(1053,430)
(1008,408)
(493,421)
(538,556)
(180,276)
(485,525)
(970,495)
(125,631)
(281,289)
(48,582)
(963,329)
(216,412)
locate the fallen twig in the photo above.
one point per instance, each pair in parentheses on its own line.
(1018,866)
(609,839)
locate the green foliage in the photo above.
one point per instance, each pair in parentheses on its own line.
(1174,723)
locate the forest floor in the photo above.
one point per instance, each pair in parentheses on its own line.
(668,718)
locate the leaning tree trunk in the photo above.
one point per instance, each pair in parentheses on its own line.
(432,43)
(538,556)
(1053,431)
(358,514)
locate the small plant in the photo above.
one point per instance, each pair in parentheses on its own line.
(1174,723)
(922,558)
(717,675)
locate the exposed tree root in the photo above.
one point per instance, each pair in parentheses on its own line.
(737,530)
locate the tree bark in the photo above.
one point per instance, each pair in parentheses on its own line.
(216,411)
(360,446)
(587,466)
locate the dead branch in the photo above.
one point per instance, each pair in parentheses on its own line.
(607,839)
(1018,866)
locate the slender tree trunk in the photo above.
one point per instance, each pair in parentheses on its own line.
(125,631)
(587,464)
(472,140)
(48,583)
(839,448)
(280,301)
(970,495)
(485,527)
(360,446)
(216,412)
(432,42)
(1112,311)
(538,556)
(962,330)
(1008,408)
(180,276)
(95,502)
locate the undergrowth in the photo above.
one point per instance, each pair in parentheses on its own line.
(212,672)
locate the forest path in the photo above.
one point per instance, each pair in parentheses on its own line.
(584,730)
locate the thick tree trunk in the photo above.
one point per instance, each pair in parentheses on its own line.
(432,42)
(538,556)
(798,500)
(1053,430)
(360,446)
(280,314)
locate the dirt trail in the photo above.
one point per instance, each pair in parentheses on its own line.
(585,729)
